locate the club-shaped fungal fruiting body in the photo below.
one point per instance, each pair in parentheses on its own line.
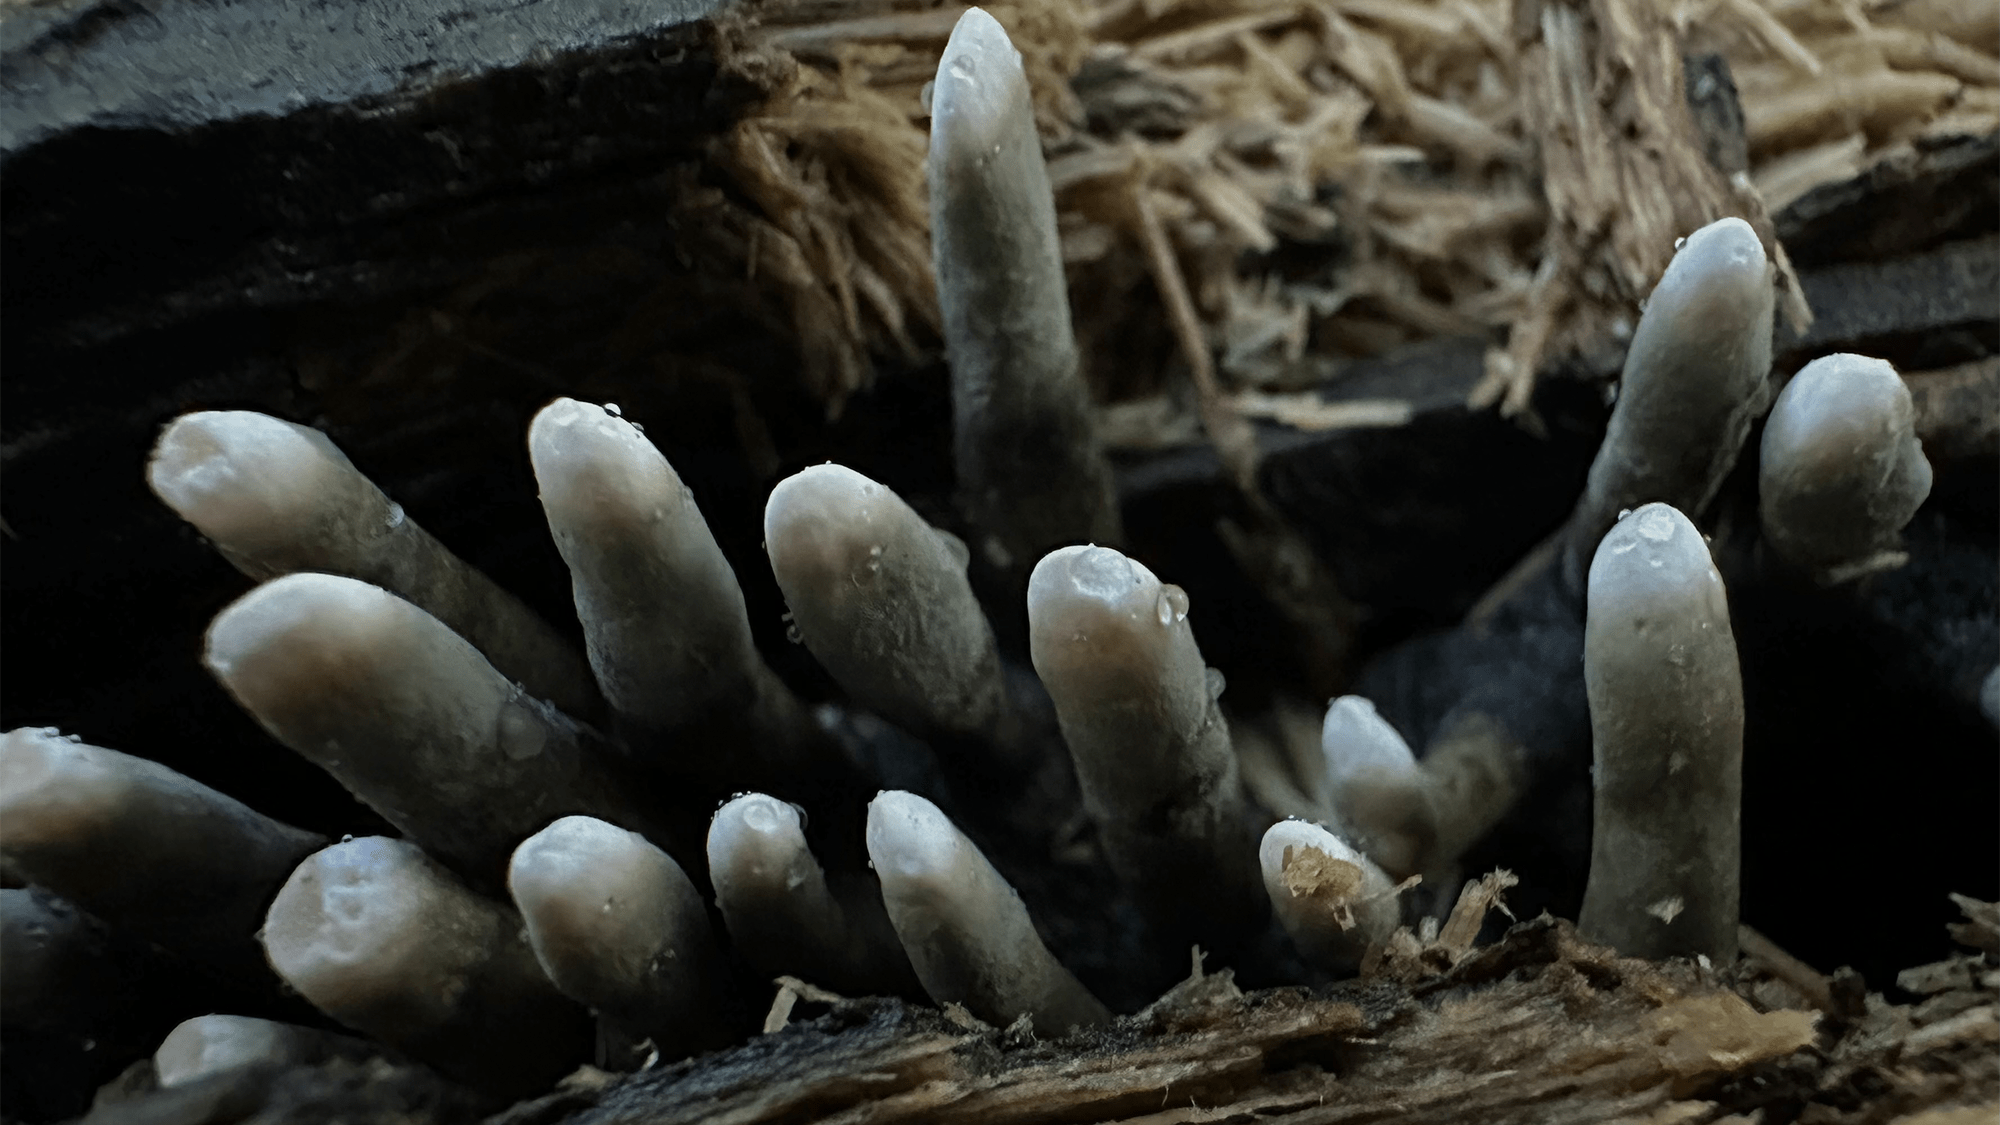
(1030,472)
(1841,470)
(1140,711)
(1666,727)
(276,498)
(1696,377)
(380,937)
(966,930)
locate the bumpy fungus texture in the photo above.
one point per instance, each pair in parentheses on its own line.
(1696,377)
(1141,713)
(618,926)
(1332,900)
(375,934)
(1031,473)
(881,599)
(407,715)
(1842,470)
(668,636)
(276,498)
(781,914)
(965,929)
(1666,726)
(143,847)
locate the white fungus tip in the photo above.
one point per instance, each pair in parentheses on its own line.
(53,788)
(754,834)
(912,843)
(817,518)
(321,623)
(1654,560)
(590,463)
(571,859)
(1297,837)
(211,1044)
(237,474)
(979,86)
(361,925)
(1356,740)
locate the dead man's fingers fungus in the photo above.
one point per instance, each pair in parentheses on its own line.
(1841,469)
(1696,377)
(1374,787)
(276,498)
(619,927)
(1139,710)
(1666,727)
(1031,473)
(881,599)
(408,716)
(965,929)
(781,914)
(155,853)
(375,934)
(663,616)
(1332,900)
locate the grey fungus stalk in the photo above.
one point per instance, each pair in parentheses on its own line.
(1841,470)
(1332,900)
(277,498)
(966,930)
(1375,788)
(663,617)
(881,599)
(1031,472)
(1140,712)
(1696,377)
(408,716)
(375,934)
(1666,725)
(148,850)
(618,926)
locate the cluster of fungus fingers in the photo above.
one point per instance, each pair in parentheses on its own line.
(663,617)
(543,876)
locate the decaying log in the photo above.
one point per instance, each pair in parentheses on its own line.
(1539,1026)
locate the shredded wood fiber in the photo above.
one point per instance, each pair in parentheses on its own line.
(1252,191)
(1538,1027)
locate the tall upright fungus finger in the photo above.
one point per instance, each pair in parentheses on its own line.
(783,917)
(881,599)
(1666,726)
(1375,788)
(1030,469)
(276,498)
(1696,376)
(617,925)
(966,931)
(1139,710)
(159,855)
(1331,899)
(1841,470)
(408,716)
(667,631)
(377,935)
